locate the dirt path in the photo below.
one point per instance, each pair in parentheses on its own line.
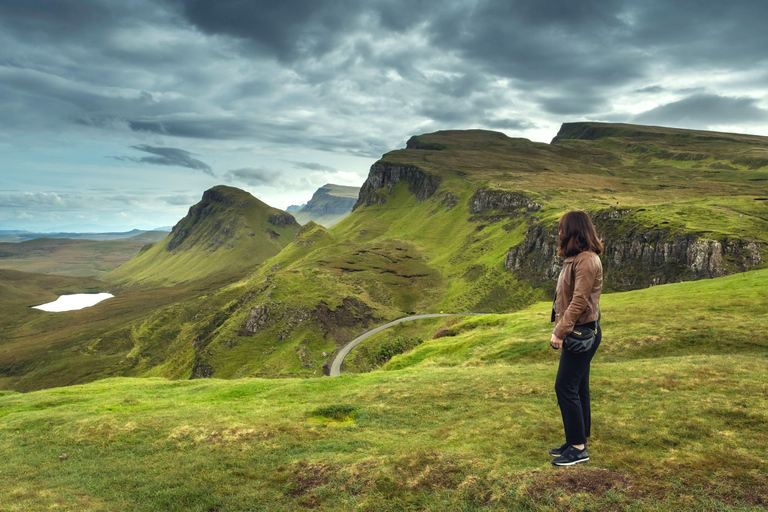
(339,359)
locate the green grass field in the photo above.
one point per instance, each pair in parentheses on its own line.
(680,400)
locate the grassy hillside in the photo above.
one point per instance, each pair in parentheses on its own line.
(411,249)
(432,231)
(228,231)
(716,316)
(462,422)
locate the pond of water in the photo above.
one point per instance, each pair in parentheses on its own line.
(74,302)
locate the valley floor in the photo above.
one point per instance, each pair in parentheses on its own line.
(669,433)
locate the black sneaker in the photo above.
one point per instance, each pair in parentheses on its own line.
(571,456)
(559,450)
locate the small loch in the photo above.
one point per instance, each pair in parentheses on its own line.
(74,302)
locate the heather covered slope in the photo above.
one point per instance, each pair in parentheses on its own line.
(227,231)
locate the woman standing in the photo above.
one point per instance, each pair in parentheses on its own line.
(576,307)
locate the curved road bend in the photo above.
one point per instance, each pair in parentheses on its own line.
(336,364)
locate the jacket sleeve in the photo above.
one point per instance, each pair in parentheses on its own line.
(584,279)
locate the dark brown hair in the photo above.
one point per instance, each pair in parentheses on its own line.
(577,234)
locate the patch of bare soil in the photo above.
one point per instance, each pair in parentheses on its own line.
(592,481)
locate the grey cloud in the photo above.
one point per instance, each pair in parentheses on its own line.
(651,89)
(572,105)
(201,128)
(129,200)
(255,176)
(179,199)
(312,166)
(36,199)
(703,110)
(509,124)
(169,156)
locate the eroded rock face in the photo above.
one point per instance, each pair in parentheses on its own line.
(384,176)
(484,200)
(636,257)
(536,257)
(258,319)
(282,219)
(351,313)
(416,143)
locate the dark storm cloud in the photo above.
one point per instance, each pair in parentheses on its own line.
(572,105)
(358,77)
(703,110)
(651,89)
(509,124)
(255,176)
(169,156)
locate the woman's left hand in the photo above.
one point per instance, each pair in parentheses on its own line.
(556,342)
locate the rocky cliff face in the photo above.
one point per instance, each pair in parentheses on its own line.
(636,257)
(324,203)
(485,200)
(416,143)
(384,176)
(282,219)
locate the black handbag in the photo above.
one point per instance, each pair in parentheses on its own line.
(580,339)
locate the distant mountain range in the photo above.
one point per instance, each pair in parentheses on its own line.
(147,235)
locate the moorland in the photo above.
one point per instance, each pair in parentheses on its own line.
(204,375)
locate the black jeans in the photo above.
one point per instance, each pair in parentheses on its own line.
(572,389)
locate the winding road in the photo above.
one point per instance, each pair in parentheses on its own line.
(339,359)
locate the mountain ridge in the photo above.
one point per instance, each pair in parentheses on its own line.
(461,221)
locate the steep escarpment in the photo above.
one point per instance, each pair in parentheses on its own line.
(636,256)
(329,204)
(383,176)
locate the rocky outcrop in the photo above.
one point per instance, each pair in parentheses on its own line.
(416,143)
(324,202)
(485,200)
(535,258)
(635,257)
(383,176)
(282,219)
(350,313)
(258,319)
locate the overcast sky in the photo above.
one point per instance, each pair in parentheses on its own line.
(119,114)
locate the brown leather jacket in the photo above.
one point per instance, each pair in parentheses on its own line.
(578,292)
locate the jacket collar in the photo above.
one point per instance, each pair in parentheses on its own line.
(571,258)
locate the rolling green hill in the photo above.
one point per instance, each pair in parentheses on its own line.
(227,231)
(465,221)
(461,423)
(458,221)
(462,419)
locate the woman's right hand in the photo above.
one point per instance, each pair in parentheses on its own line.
(556,342)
